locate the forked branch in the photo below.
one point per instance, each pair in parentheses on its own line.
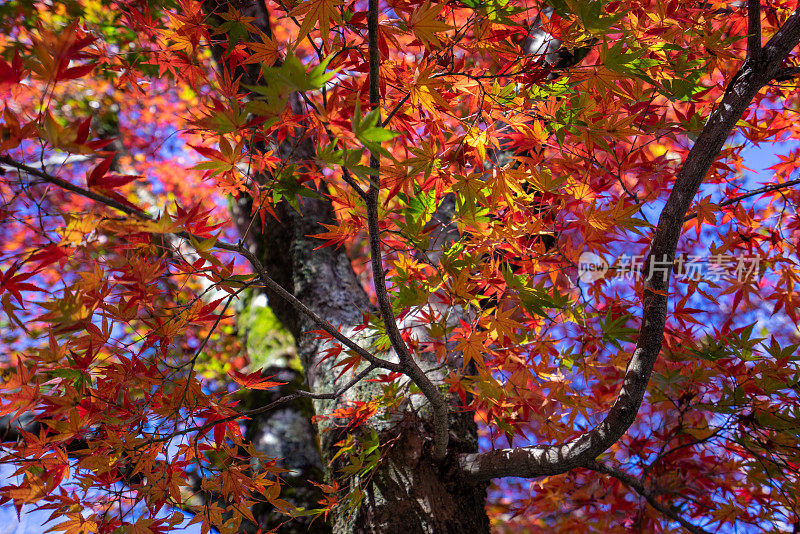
(230,247)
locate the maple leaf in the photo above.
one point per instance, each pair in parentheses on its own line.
(99,180)
(357,413)
(479,140)
(55,52)
(10,75)
(472,345)
(423,23)
(706,213)
(265,52)
(237,27)
(15,283)
(425,159)
(321,12)
(254,380)
(425,89)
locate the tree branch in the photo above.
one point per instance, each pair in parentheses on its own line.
(238,249)
(266,408)
(754,192)
(410,367)
(754,30)
(86,193)
(545,460)
(637,486)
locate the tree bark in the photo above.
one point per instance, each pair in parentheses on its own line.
(408,492)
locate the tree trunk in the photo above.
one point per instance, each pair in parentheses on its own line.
(407,492)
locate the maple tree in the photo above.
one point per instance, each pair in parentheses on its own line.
(415,189)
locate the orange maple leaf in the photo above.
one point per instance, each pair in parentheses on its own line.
(322,11)
(425,26)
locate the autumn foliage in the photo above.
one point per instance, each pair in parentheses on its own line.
(497,149)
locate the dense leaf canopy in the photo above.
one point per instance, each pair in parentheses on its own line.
(548,226)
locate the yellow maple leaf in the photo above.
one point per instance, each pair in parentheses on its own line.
(504,326)
(597,219)
(425,90)
(79,229)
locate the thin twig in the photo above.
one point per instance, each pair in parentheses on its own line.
(637,486)
(754,192)
(262,409)
(396,109)
(63,184)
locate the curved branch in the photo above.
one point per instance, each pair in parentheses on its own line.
(410,367)
(545,460)
(636,485)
